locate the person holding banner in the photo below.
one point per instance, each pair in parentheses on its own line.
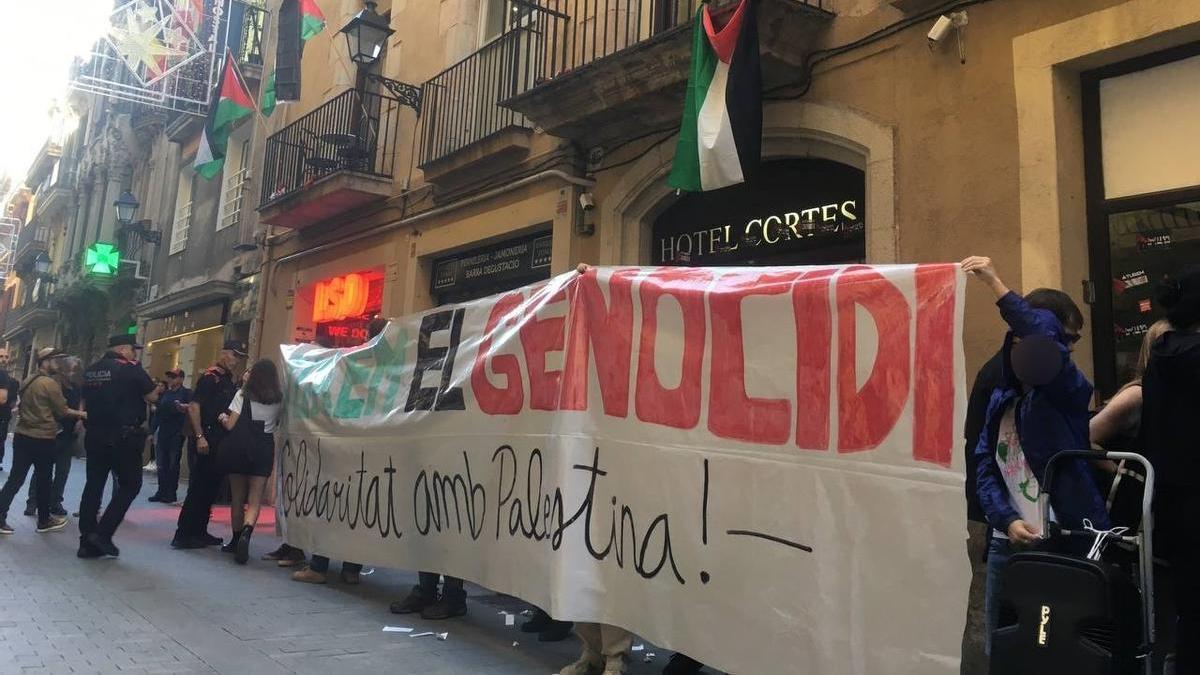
(1040,409)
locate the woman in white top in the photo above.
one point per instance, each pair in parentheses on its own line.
(261,396)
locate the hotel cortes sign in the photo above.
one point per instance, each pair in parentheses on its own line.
(796,207)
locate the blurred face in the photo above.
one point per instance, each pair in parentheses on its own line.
(51,366)
(3,358)
(126,352)
(174,382)
(228,359)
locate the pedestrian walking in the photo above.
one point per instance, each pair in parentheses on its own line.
(170,419)
(1170,399)
(605,650)
(248,452)
(69,376)
(1040,408)
(116,390)
(214,391)
(33,441)
(9,389)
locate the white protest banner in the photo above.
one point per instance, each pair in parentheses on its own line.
(755,467)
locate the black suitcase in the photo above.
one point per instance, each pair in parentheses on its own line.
(1064,613)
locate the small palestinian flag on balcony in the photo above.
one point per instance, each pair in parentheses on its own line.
(720,138)
(312,21)
(231,103)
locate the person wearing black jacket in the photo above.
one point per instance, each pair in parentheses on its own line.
(1170,437)
(8,398)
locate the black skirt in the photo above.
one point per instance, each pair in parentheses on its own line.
(256,460)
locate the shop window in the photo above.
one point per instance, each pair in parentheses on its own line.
(492,269)
(795,212)
(1143,196)
(336,311)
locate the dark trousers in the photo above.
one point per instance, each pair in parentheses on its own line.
(168,452)
(321,564)
(1177,509)
(109,451)
(27,452)
(203,485)
(64,446)
(3,438)
(452,587)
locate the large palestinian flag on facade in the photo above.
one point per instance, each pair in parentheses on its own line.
(231,103)
(720,138)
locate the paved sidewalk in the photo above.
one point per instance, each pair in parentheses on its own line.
(157,610)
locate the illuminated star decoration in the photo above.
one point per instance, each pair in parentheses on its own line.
(137,33)
(102,259)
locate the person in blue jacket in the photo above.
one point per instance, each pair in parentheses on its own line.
(1039,409)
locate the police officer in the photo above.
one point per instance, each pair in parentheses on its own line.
(214,391)
(115,392)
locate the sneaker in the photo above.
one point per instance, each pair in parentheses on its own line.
(444,609)
(557,631)
(681,664)
(209,540)
(586,665)
(350,578)
(87,551)
(31,510)
(4,528)
(415,602)
(103,544)
(309,576)
(55,523)
(278,554)
(231,547)
(186,543)
(58,511)
(155,498)
(293,558)
(615,665)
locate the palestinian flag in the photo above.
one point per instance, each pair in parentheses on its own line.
(312,21)
(720,138)
(266,102)
(232,103)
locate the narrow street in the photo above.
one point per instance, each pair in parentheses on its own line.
(158,610)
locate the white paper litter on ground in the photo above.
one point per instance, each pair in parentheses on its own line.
(417,635)
(510,620)
(396,629)
(638,648)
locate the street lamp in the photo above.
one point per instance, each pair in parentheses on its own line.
(366,33)
(41,265)
(127,205)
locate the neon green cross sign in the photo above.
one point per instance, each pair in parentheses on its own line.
(102,259)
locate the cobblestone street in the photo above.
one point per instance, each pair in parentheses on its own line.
(158,610)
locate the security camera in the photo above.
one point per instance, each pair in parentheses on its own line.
(941,28)
(587,201)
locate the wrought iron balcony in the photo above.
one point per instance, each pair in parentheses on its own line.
(615,68)
(335,158)
(55,190)
(462,103)
(31,240)
(31,315)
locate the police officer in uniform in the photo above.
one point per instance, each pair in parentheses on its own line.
(116,390)
(214,391)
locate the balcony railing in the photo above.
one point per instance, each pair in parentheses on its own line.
(353,132)
(179,229)
(462,103)
(31,240)
(580,32)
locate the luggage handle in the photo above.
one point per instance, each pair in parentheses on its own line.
(1144,539)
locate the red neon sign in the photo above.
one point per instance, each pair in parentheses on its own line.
(341,298)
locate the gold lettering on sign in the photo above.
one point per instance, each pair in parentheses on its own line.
(1042,626)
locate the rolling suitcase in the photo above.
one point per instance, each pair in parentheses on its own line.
(1079,614)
